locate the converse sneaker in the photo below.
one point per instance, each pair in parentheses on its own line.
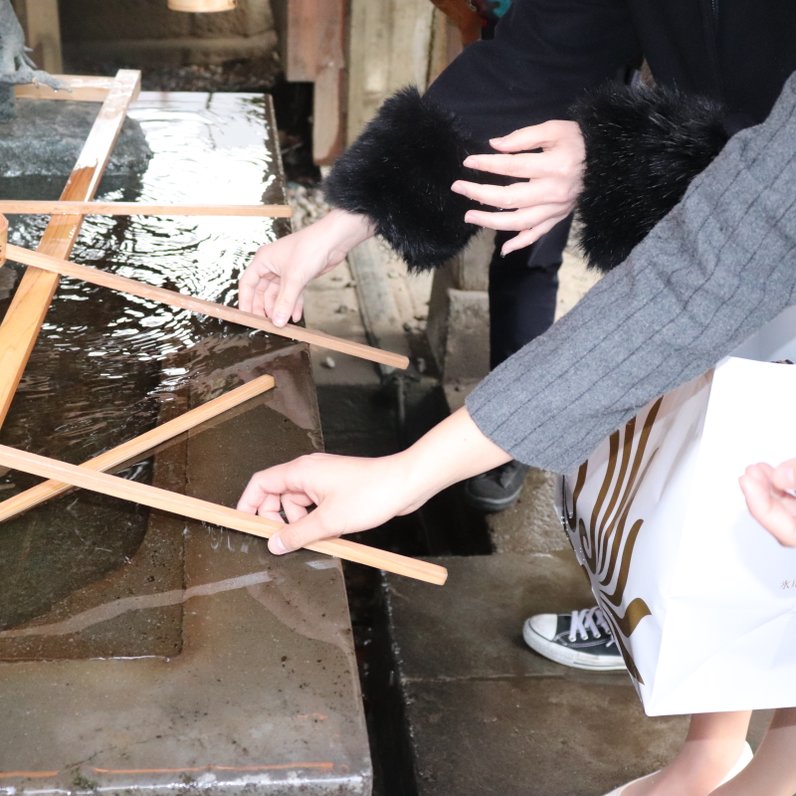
(497,489)
(581,639)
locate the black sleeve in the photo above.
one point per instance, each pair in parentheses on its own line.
(545,53)
(644,146)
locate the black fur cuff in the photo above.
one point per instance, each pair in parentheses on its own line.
(643,148)
(398,173)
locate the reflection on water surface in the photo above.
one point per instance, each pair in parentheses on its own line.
(106,365)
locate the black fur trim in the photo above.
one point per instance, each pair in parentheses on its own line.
(643,148)
(399,172)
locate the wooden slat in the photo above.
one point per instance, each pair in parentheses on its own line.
(216,514)
(127,451)
(77,88)
(202,6)
(44,207)
(201,306)
(3,238)
(25,315)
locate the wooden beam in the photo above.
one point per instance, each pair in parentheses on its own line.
(39,20)
(76,88)
(51,208)
(25,315)
(205,511)
(173,298)
(128,451)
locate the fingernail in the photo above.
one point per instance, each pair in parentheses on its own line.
(276,545)
(280,319)
(468,218)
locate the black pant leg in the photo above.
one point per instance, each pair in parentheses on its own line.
(522,291)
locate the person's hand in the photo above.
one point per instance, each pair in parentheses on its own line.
(770,494)
(549,181)
(273,283)
(348,494)
(354,494)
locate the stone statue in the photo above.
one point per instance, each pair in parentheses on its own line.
(15,64)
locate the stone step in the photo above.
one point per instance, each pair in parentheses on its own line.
(484,714)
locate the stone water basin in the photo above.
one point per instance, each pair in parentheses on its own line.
(140,651)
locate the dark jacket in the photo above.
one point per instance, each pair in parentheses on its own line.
(545,56)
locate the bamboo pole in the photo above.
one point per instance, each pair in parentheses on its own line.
(205,511)
(33,295)
(44,207)
(26,500)
(210,308)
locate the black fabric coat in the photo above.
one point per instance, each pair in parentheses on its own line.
(545,56)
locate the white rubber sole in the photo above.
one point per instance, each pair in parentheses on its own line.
(566,657)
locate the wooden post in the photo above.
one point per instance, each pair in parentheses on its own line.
(313,51)
(24,317)
(3,239)
(39,20)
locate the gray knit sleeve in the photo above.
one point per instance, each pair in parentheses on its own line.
(714,270)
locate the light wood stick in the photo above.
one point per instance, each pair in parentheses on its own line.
(3,238)
(201,6)
(44,207)
(139,445)
(205,511)
(24,317)
(214,310)
(77,88)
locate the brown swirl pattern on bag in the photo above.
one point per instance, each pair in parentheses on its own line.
(606,542)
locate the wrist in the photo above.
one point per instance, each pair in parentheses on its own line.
(452,451)
(346,230)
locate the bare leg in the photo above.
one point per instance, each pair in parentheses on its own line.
(773,770)
(712,746)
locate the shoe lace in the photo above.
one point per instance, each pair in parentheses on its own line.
(589,622)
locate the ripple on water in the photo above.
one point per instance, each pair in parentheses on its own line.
(105,363)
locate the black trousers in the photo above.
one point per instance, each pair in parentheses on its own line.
(522,291)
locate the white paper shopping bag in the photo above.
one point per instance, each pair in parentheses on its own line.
(701,599)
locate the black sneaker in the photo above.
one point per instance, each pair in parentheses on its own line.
(580,639)
(496,490)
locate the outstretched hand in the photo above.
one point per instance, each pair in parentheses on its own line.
(547,159)
(273,283)
(324,496)
(770,494)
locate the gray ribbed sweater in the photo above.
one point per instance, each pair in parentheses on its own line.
(712,272)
